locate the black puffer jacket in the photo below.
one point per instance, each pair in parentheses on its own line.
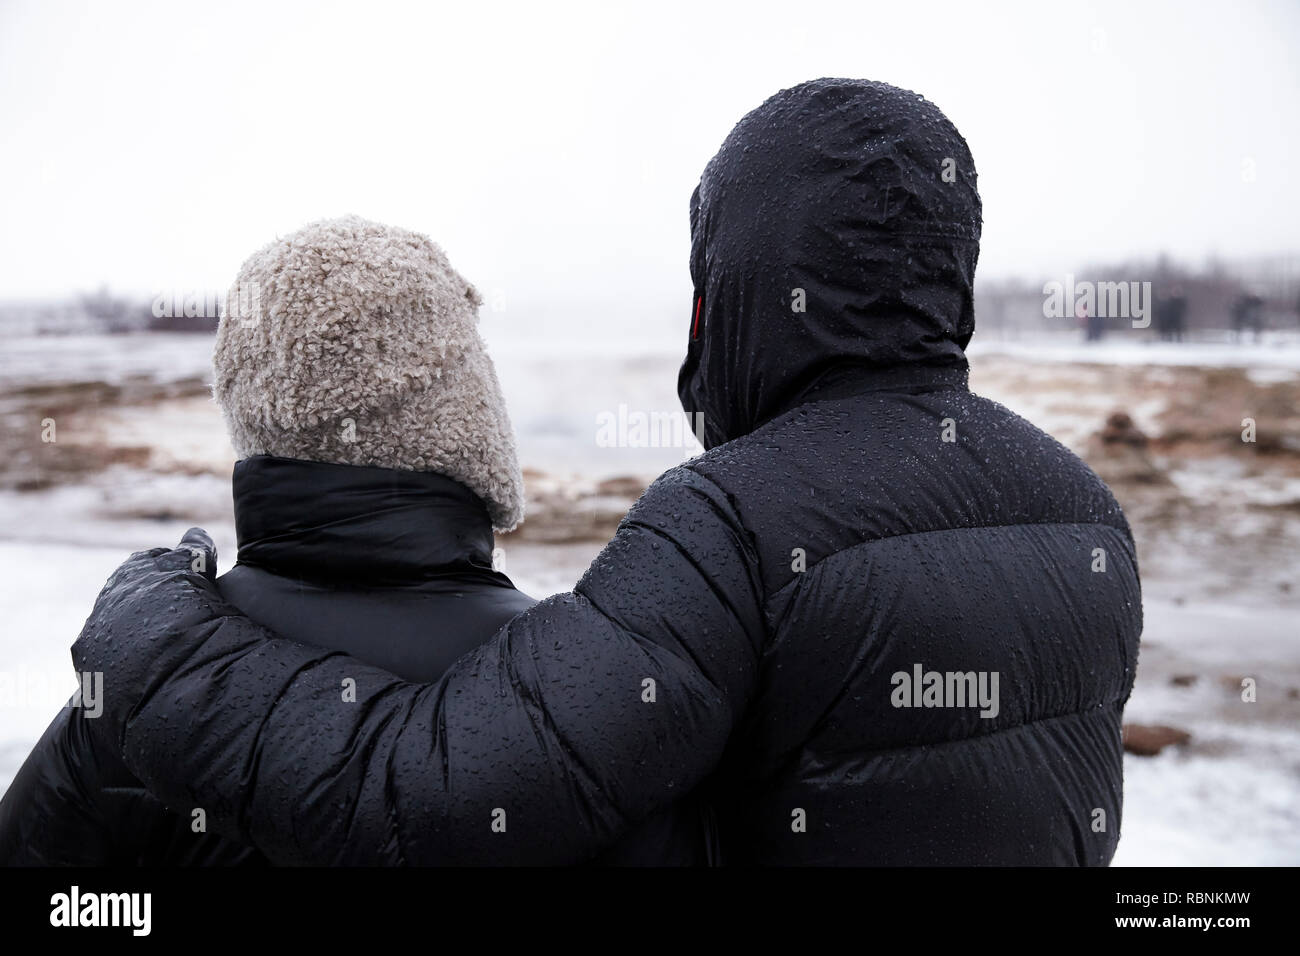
(394,568)
(881,621)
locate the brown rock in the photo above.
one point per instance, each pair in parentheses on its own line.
(1118,453)
(624,486)
(1121,430)
(1147,740)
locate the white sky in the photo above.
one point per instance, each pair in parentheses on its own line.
(552,149)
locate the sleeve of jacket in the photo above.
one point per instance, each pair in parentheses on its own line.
(579,718)
(48,816)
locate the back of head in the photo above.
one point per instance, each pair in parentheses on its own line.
(356,343)
(837,229)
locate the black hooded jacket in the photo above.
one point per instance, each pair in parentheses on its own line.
(882,620)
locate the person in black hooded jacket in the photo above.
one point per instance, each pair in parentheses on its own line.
(365,500)
(881,620)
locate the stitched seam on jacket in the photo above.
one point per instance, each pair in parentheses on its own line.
(763,596)
(591,798)
(917,745)
(979,527)
(690,659)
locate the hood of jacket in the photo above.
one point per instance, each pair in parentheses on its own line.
(357,525)
(834,239)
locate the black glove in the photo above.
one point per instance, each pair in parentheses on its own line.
(126,654)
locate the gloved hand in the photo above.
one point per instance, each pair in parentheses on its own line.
(122,638)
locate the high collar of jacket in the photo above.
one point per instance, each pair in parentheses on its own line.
(360,525)
(834,239)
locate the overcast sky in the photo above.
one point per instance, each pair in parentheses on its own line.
(552,149)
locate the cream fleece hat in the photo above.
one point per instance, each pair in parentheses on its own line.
(356,343)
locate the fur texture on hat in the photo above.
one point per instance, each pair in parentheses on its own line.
(356,343)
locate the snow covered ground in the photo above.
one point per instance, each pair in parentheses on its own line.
(1231,797)
(1219,537)
(1274,350)
(47,592)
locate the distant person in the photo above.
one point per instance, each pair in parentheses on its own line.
(1094,325)
(881,620)
(376,458)
(1247,314)
(1170,315)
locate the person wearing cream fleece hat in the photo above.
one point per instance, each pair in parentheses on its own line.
(356,343)
(376,458)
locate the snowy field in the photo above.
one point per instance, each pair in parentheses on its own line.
(1219,534)
(1274,350)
